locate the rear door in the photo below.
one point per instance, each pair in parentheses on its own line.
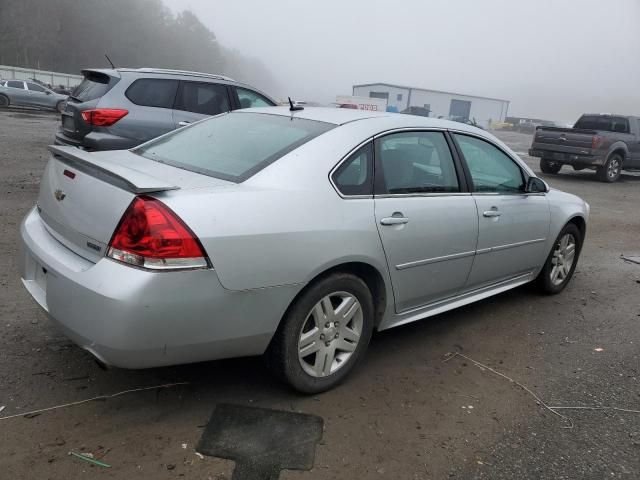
(198,100)
(513,226)
(151,114)
(18,93)
(426,219)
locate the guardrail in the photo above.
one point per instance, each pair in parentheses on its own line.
(54,78)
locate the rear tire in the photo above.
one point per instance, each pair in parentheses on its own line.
(324,334)
(547,166)
(4,101)
(562,260)
(611,170)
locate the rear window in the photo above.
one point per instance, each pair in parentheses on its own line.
(94,85)
(233,146)
(605,123)
(153,92)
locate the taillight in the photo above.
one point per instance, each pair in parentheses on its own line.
(103,117)
(596,141)
(150,235)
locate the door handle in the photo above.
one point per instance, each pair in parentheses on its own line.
(183,123)
(491,213)
(394,220)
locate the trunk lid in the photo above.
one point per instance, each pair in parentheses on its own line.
(83,195)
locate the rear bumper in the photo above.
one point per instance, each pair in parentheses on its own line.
(96,141)
(133,318)
(579,160)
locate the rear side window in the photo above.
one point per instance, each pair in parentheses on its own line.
(203,98)
(15,84)
(605,123)
(94,85)
(355,175)
(153,92)
(234,146)
(249,98)
(417,162)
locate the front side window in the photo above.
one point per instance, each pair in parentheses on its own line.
(417,162)
(153,92)
(203,98)
(355,175)
(35,88)
(15,84)
(491,169)
(233,146)
(249,98)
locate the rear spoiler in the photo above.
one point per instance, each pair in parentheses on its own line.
(129,179)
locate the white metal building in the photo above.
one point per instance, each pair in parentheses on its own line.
(437,103)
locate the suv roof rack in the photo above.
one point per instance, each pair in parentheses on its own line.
(169,71)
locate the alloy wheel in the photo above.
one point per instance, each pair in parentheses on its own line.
(562,259)
(613,168)
(330,334)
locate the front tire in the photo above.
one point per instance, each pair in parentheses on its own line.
(547,166)
(4,101)
(324,334)
(60,106)
(562,261)
(611,170)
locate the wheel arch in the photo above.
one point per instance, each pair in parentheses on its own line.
(619,148)
(378,285)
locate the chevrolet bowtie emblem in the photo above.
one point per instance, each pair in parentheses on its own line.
(59,194)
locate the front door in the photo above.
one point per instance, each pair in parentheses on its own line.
(38,96)
(513,227)
(428,224)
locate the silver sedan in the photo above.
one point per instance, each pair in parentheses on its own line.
(293,234)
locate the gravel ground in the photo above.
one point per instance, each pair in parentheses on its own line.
(404,414)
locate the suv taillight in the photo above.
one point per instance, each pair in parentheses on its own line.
(151,235)
(103,117)
(596,141)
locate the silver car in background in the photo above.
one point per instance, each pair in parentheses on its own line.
(295,234)
(30,94)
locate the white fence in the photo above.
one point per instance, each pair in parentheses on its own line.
(53,78)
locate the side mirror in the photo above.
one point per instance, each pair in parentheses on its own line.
(536,185)
(47,92)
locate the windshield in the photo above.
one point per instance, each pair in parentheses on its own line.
(233,146)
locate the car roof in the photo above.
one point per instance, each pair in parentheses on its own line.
(341,116)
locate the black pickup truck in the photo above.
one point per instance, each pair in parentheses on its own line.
(607,144)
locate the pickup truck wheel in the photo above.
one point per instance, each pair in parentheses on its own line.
(547,166)
(611,170)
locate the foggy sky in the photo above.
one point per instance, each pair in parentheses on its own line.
(552,59)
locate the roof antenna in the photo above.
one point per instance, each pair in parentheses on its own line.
(293,108)
(110,62)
